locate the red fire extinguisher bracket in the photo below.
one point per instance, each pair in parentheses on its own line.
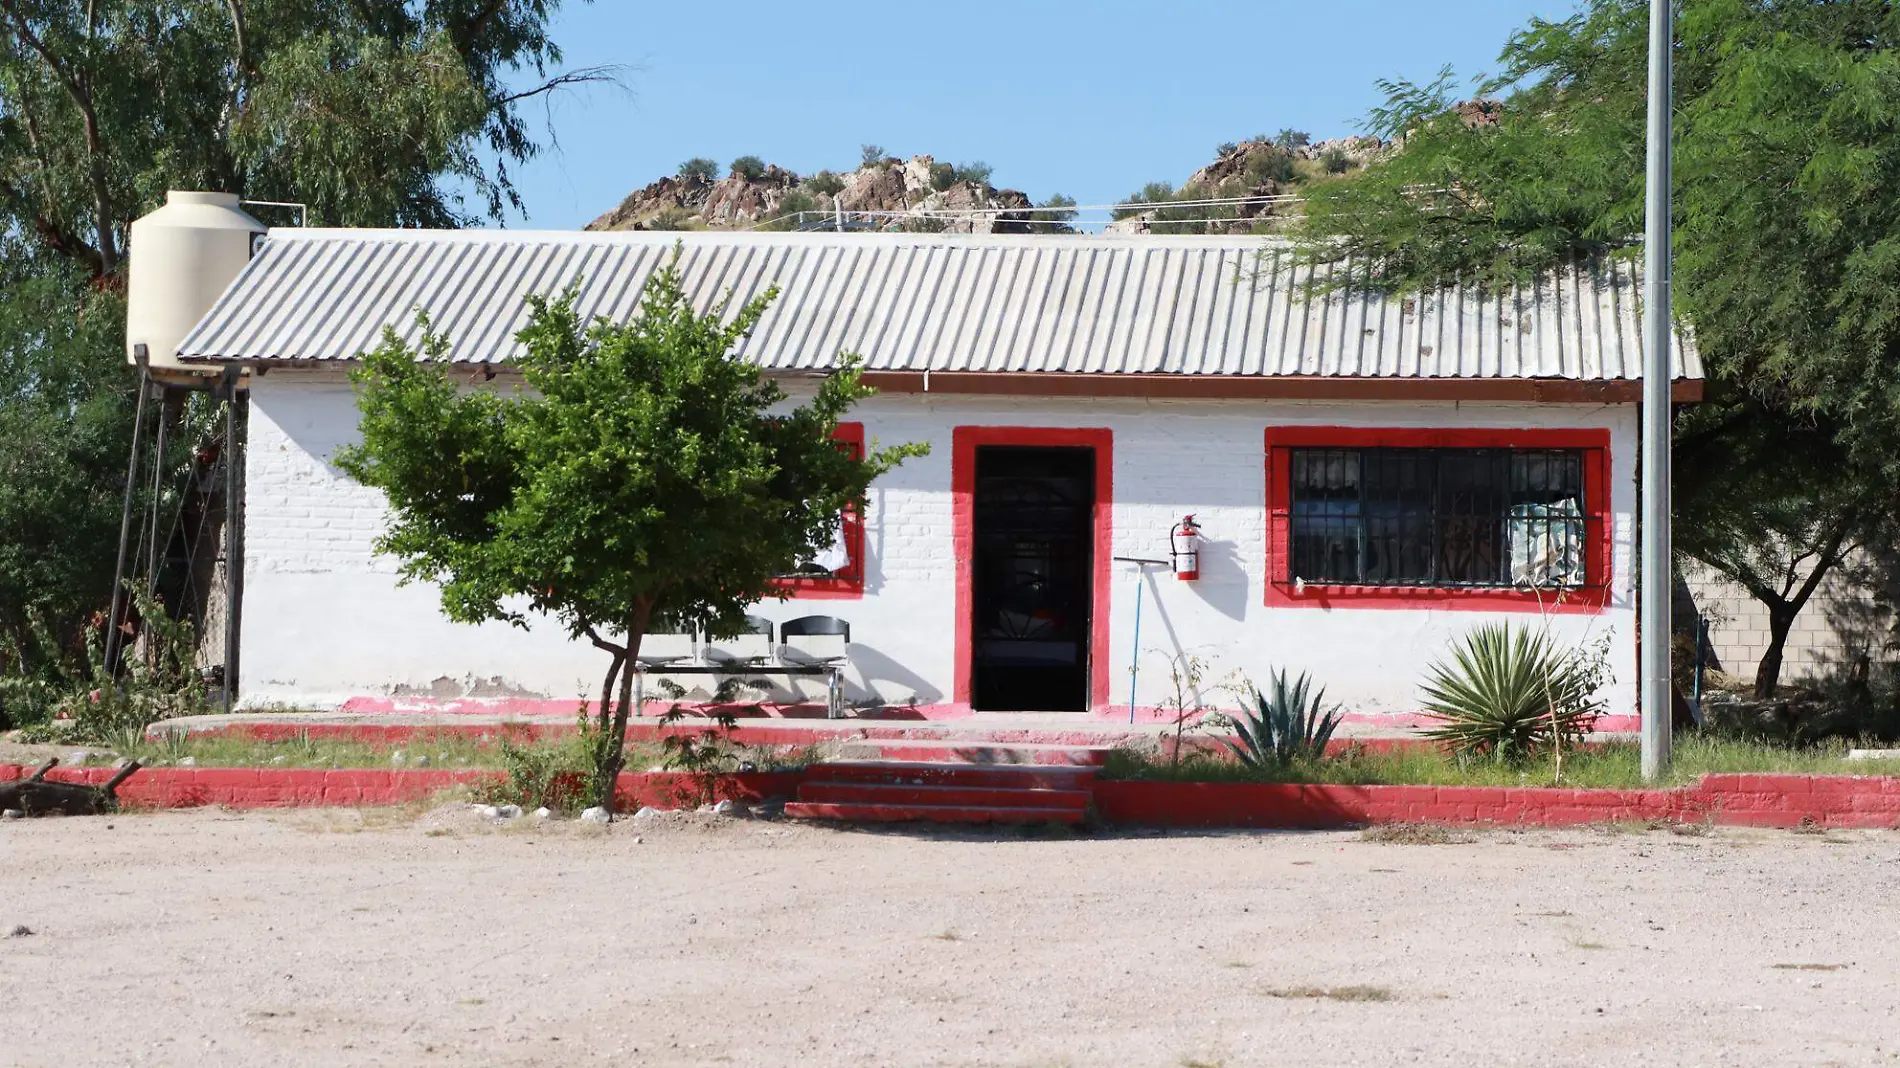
(1184,549)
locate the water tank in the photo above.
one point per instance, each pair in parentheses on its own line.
(181,258)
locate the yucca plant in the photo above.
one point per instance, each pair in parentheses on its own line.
(1510,692)
(1286,723)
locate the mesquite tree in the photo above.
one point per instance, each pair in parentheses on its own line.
(638,475)
(1787,245)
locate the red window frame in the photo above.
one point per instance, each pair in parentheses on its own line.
(1281,591)
(848,581)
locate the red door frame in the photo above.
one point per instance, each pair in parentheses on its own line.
(964,441)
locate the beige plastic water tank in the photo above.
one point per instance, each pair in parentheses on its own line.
(182,257)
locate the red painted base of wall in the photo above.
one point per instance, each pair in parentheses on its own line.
(288,787)
(1731,800)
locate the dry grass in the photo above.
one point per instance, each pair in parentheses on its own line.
(1416,834)
(1333,993)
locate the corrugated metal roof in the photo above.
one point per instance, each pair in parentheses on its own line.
(911,302)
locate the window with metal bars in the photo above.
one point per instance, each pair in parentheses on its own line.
(1439,517)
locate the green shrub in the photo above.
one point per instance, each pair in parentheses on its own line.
(750,168)
(671,217)
(1059,221)
(871,156)
(1291,139)
(557,773)
(700,167)
(825,183)
(1287,723)
(975,171)
(1336,161)
(942,176)
(1511,693)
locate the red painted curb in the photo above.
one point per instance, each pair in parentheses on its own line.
(288,787)
(1732,800)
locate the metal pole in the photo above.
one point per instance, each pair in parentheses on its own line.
(125,517)
(151,506)
(230,536)
(1657,587)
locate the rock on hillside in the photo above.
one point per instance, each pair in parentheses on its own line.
(1258,167)
(770,197)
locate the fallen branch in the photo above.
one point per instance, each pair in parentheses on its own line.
(37,797)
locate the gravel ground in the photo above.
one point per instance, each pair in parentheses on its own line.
(403,937)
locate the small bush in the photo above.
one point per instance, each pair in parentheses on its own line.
(942,176)
(557,774)
(750,168)
(975,171)
(1291,139)
(699,167)
(871,156)
(1336,161)
(787,215)
(671,217)
(1510,693)
(825,183)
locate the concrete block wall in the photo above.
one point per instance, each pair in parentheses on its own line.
(1842,622)
(325,620)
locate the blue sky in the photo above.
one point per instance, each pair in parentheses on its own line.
(1087,99)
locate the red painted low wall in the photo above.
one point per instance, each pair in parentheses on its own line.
(287,787)
(1735,800)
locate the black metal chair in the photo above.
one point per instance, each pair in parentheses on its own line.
(819,641)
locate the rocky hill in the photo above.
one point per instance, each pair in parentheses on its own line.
(885,192)
(922,194)
(1262,167)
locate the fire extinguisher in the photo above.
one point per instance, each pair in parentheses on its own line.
(1184,548)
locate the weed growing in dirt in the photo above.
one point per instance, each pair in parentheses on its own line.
(1415,834)
(1332,993)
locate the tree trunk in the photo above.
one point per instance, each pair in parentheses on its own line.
(1768,673)
(611,755)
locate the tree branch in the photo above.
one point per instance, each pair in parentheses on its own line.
(606,73)
(77,88)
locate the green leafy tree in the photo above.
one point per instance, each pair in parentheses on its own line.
(370,114)
(1787,239)
(63,444)
(1057,218)
(871,156)
(700,167)
(641,475)
(750,168)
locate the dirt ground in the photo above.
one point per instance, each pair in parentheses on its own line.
(379,938)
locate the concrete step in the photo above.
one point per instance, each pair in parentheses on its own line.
(1076,801)
(987,753)
(874,813)
(917,773)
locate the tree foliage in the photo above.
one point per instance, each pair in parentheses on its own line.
(1787,237)
(639,474)
(370,114)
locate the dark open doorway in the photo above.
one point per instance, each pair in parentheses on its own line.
(1033,510)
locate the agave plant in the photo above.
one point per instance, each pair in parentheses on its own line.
(1512,692)
(1287,722)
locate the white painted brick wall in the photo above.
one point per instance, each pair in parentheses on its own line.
(325,620)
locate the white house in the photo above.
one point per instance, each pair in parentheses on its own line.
(1371,476)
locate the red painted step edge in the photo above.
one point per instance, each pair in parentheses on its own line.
(870,813)
(964,796)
